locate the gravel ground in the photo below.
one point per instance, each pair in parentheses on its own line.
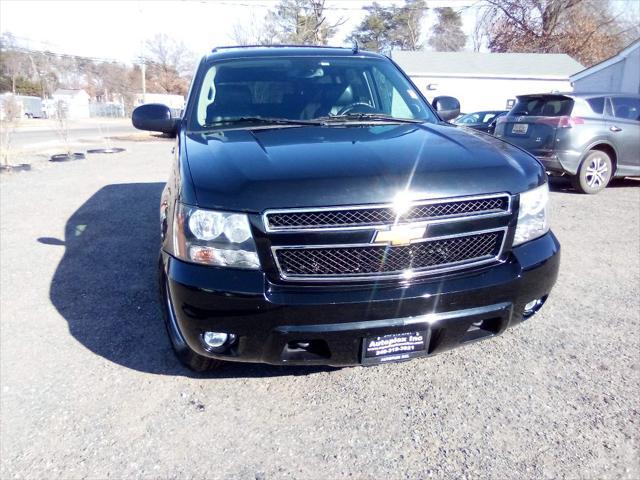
(91,389)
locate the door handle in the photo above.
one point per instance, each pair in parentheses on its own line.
(613,128)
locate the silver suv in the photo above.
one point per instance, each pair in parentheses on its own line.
(591,137)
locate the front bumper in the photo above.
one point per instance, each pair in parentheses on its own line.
(270,320)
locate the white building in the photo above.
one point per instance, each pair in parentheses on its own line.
(74,102)
(487,81)
(174,102)
(618,74)
(168,99)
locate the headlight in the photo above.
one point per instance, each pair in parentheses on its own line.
(214,238)
(532,215)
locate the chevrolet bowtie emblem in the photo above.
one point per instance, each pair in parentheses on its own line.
(400,234)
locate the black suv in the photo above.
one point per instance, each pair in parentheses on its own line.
(320,211)
(591,137)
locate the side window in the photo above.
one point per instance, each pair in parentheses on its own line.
(596,104)
(627,108)
(488,117)
(399,107)
(207,94)
(471,118)
(391,99)
(608,111)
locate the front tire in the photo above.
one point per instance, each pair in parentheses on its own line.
(190,359)
(594,173)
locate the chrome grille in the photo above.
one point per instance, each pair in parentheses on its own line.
(368,260)
(383,215)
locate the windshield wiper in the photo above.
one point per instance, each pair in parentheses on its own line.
(262,121)
(374,117)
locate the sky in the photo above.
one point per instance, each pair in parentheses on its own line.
(117,29)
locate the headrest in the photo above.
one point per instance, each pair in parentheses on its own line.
(232,94)
(346,97)
(337,94)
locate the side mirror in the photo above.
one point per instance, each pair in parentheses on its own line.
(156,118)
(447,107)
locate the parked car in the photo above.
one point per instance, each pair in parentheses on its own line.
(590,137)
(484,121)
(32,106)
(320,211)
(20,105)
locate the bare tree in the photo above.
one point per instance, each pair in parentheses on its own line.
(479,34)
(406,26)
(31,72)
(302,22)
(321,29)
(44,71)
(12,112)
(585,29)
(170,53)
(69,72)
(253,31)
(169,64)
(62,124)
(13,61)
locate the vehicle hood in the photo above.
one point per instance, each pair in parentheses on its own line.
(254,170)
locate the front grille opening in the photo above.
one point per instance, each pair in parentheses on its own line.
(481,329)
(385,215)
(306,350)
(381,259)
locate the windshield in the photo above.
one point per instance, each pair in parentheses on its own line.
(304,88)
(477,117)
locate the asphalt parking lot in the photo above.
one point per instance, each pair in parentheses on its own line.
(91,389)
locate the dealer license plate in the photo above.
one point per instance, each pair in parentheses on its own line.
(520,128)
(394,347)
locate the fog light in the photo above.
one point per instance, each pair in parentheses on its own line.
(533,306)
(216,339)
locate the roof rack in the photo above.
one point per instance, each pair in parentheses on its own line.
(215,49)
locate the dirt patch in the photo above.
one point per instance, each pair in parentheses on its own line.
(142,137)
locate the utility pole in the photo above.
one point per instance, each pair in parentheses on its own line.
(144,82)
(143,65)
(37,72)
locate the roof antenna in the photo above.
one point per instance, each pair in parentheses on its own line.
(355,46)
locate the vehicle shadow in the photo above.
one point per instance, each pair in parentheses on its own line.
(105,284)
(563,184)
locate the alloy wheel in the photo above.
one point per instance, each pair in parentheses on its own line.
(597,173)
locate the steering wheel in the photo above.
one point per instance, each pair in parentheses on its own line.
(360,107)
